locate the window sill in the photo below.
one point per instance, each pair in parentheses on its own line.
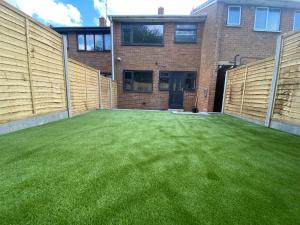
(267,31)
(140,92)
(104,51)
(185,42)
(142,45)
(233,26)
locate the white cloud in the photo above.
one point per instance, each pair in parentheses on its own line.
(99,5)
(149,7)
(50,11)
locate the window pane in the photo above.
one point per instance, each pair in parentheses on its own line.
(98,42)
(233,16)
(142,81)
(186,26)
(128,81)
(80,41)
(185,35)
(273,20)
(126,36)
(164,81)
(147,34)
(261,18)
(107,41)
(297,21)
(90,42)
(190,82)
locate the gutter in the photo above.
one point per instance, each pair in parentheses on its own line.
(112,48)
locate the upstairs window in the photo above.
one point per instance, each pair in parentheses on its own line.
(297,20)
(137,81)
(186,33)
(267,19)
(93,42)
(234,16)
(142,34)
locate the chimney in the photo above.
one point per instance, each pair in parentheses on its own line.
(161,11)
(102,22)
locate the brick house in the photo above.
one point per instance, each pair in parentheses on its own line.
(152,54)
(90,45)
(238,32)
(163,62)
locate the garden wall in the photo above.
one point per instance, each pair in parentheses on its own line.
(268,91)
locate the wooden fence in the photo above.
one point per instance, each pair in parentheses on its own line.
(31,67)
(268,91)
(38,83)
(90,90)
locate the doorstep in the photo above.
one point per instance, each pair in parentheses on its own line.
(175,110)
(191,113)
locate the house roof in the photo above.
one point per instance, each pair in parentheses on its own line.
(158,18)
(273,3)
(81,29)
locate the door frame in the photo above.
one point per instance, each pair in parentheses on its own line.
(176,76)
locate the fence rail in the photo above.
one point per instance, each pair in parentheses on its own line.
(268,91)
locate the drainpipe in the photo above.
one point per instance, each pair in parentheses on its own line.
(112,49)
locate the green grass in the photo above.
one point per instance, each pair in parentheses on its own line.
(136,168)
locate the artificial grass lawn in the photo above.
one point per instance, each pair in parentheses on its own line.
(133,167)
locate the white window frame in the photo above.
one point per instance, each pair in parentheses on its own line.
(228,9)
(268,10)
(296,11)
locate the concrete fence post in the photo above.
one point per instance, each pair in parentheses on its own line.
(100,90)
(110,93)
(274,81)
(224,92)
(66,73)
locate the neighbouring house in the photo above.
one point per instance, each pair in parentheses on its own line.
(163,62)
(90,45)
(238,32)
(157,60)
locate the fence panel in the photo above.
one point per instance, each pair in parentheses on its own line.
(31,67)
(287,100)
(248,89)
(84,87)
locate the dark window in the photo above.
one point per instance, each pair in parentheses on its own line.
(234,16)
(163,81)
(186,33)
(267,19)
(190,81)
(93,42)
(142,34)
(81,42)
(138,81)
(297,20)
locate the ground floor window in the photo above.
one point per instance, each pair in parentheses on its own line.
(188,79)
(137,81)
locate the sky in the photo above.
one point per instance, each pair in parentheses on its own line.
(87,12)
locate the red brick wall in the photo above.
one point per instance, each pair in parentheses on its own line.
(248,43)
(171,57)
(99,60)
(222,43)
(209,58)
